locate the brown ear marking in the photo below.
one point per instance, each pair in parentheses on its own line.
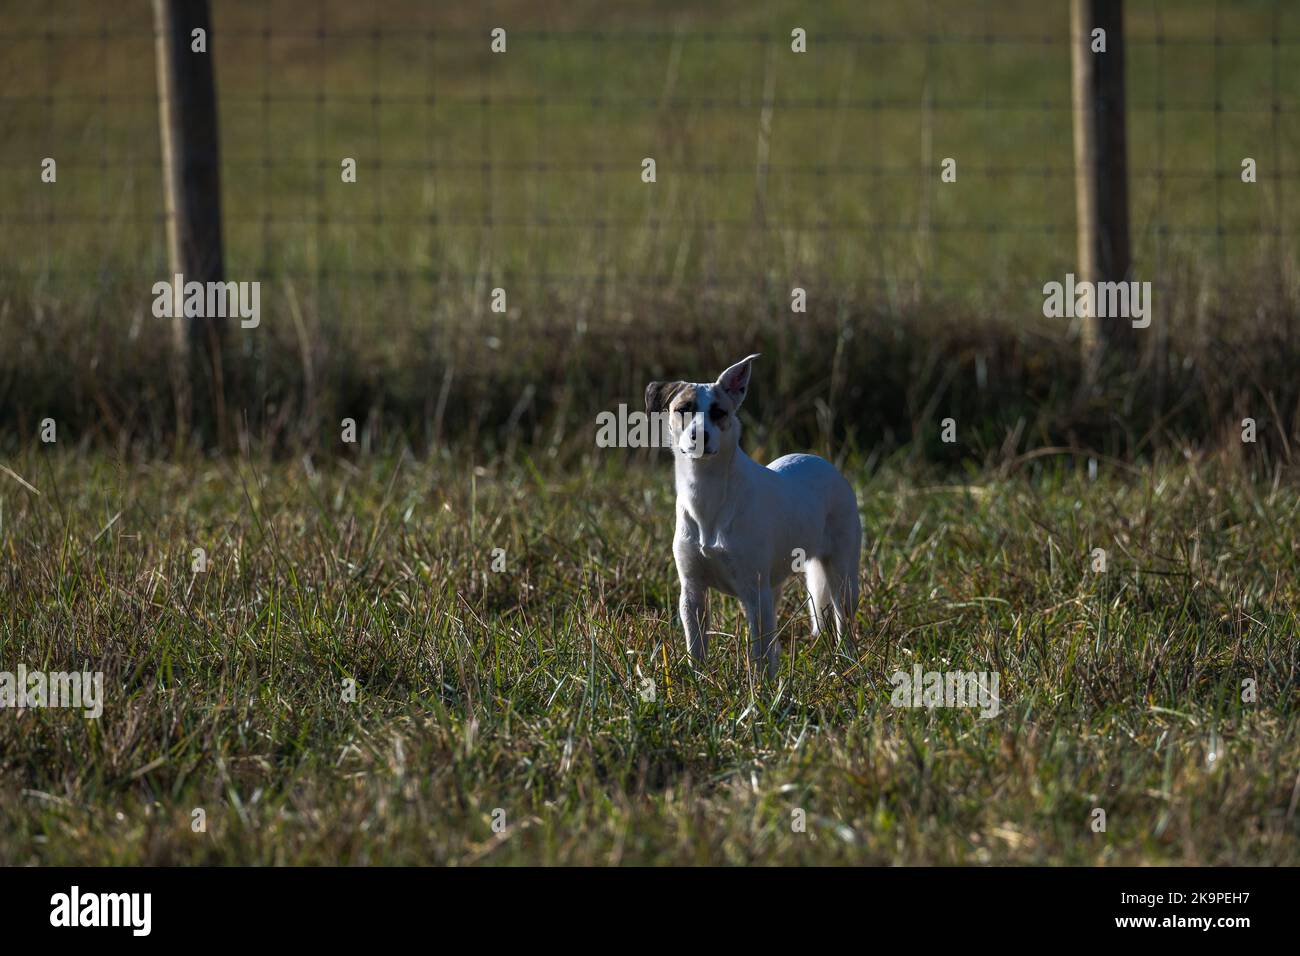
(659,395)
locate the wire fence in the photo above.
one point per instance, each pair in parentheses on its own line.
(524,169)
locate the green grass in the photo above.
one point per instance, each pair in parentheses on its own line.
(518,690)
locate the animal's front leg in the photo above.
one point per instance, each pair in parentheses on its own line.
(764,647)
(694,609)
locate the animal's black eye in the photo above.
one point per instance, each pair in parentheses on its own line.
(716,413)
(687,409)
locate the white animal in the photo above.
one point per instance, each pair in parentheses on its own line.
(743,529)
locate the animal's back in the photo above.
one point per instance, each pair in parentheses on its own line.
(816,474)
(818,480)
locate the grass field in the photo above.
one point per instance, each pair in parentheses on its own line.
(520,690)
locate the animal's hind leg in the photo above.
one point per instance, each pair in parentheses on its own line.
(819,595)
(842,586)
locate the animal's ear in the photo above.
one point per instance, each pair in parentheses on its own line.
(735,380)
(658,395)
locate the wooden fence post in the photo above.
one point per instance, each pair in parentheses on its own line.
(1101,166)
(187,107)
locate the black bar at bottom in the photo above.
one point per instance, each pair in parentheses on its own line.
(338,905)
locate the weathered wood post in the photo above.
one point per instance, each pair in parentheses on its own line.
(1101,165)
(187,107)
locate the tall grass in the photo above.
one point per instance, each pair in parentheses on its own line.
(521,690)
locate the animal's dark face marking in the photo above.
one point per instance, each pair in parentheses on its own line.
(686,400)
(685,405)
(681,400)
(722,410)
(662,396)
